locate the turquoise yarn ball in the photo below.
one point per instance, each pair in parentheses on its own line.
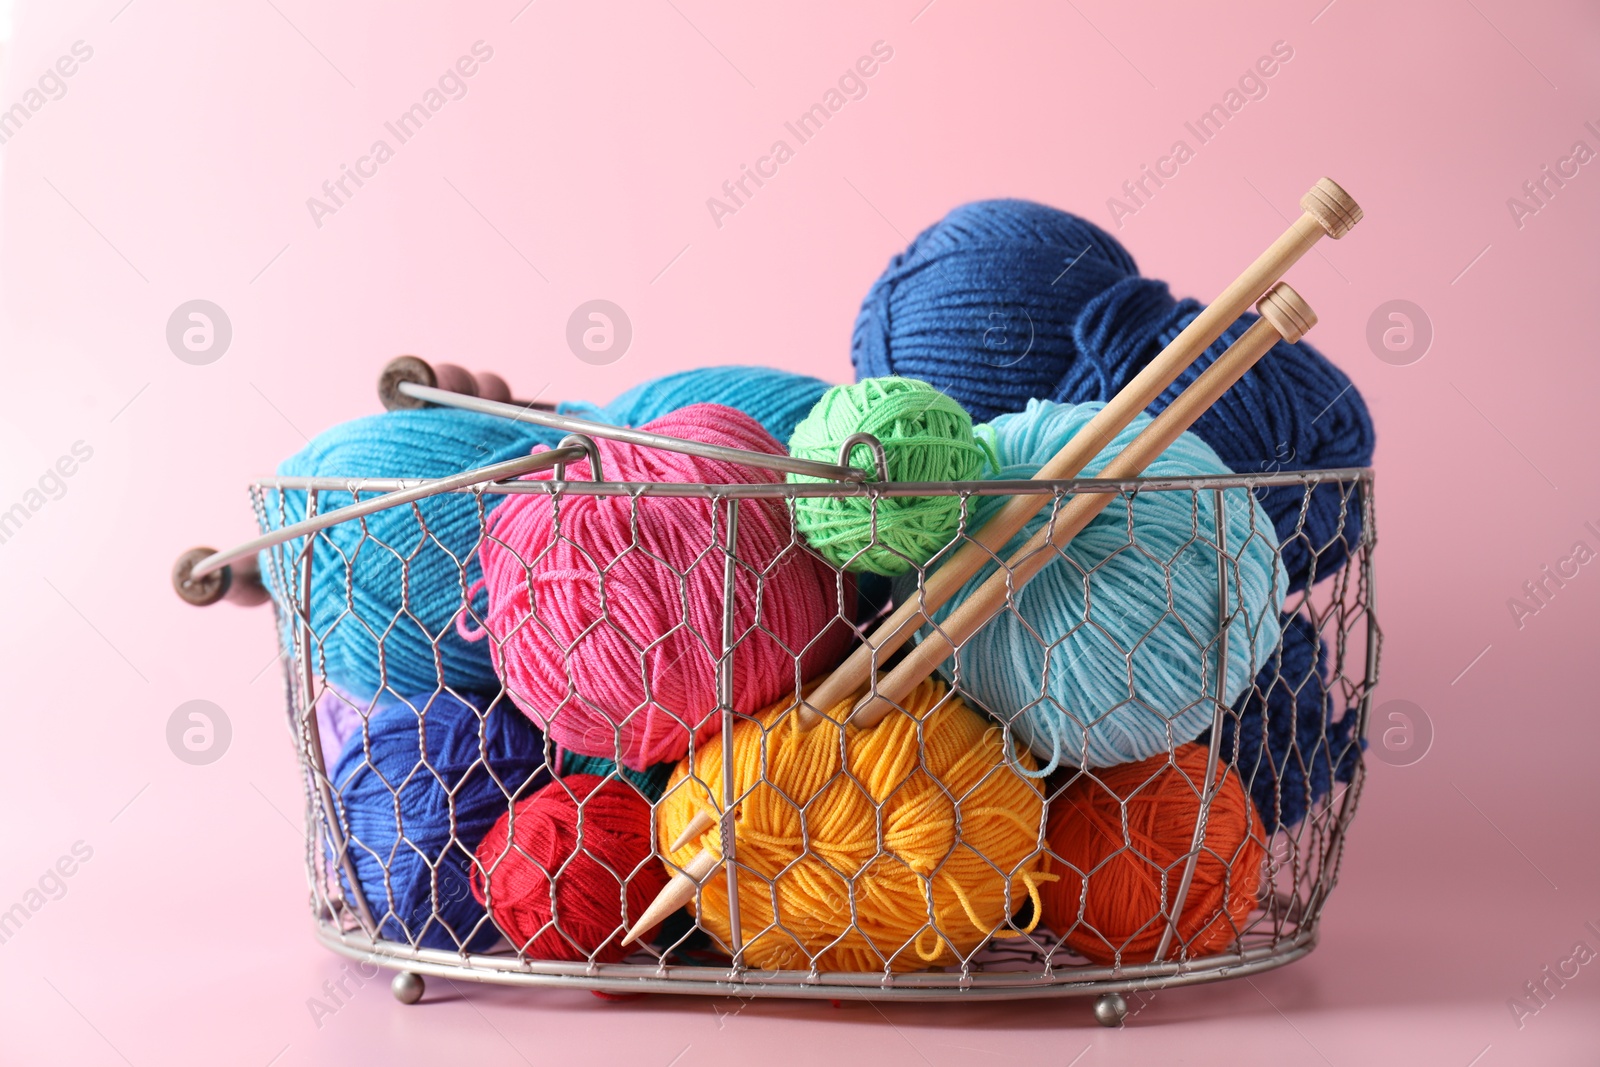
(386,590)
(777,399)
(1096,663)
(650,782)
(926,437)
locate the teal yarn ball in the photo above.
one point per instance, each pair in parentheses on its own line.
(926,437)
(650,782)
(386,590)
(1111,653)
(777,399)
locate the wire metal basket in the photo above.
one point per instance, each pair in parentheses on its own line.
(1020,959)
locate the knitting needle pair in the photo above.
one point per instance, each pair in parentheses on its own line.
(1327,211)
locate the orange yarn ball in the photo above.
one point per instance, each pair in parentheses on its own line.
(1115,890)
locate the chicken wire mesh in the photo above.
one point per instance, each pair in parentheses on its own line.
(1019,957)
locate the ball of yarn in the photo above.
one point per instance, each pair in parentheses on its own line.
(386,590)
(1003,301)
(633,673)
(649,783)
(1119,840)
(1292,411)
(1108,655)
(567,870)
(809,825)
(339,718)
(1283,738)
(777,399)
(415,792)
(926,437)
(984,304)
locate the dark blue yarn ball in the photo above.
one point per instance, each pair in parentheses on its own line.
(1004,300)
(1290,750)
(984,306)
(422,767)
(1292,411)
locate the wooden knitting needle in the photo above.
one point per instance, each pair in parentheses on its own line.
(1283,314)
(702,821)
(1328,211)
(678,892)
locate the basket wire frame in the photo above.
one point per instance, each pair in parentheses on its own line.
(1016,961)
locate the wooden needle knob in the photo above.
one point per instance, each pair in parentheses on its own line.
(412,369)
(239,582)
(447,376)
(455,379)
(1287,311)
(493,387)
(1334,208)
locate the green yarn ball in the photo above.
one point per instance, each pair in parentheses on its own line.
(926,436)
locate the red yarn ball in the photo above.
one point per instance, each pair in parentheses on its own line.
(635,673)
(1118,906)
(561,894)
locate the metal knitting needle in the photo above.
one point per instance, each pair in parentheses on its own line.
(203,576)
(1328,211)
(409,382)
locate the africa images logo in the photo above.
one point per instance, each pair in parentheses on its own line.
(1252,85)
(852,85)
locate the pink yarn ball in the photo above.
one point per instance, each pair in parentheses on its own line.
(639,674)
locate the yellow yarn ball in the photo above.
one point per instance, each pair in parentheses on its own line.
(936,891)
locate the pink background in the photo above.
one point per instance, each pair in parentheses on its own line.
(177,166)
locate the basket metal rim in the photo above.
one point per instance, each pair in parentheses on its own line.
(784,490)
(721,981)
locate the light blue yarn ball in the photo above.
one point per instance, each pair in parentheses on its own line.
(385,592)
(777,399)
(1095,665)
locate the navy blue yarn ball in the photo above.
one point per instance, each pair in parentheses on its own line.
(984,306)
(422,766)
(1003,301)
(1294,410)
(1290,750)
